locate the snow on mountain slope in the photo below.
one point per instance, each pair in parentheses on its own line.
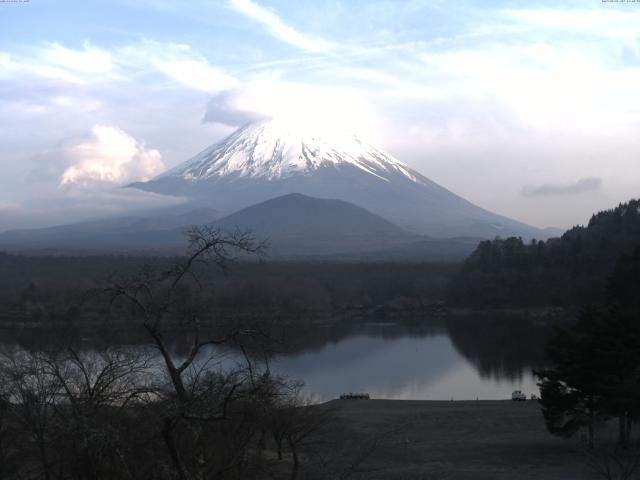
(275,150)
(268,159)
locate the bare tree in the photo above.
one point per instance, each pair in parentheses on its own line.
(33,394)
(96,388)
(8,451)
(124,413)
(112,377)
(63,410)
(161,299)
(306,421)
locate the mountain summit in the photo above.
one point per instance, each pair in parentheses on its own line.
(268,159)
(272,150)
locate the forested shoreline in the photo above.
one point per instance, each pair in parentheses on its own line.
(50,291)
(567,271)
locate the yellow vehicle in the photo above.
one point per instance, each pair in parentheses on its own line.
(355,396)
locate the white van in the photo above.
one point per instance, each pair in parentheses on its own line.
(518,396)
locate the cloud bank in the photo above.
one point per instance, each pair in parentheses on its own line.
(86,178)
(111,156)
(583,185)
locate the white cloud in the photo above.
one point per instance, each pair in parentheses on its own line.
(197,74)
(111,156)
(278,28)
(177,61)
(56,62)
(88,60)
(90,65)
(323,108)
(583,185)
(47,106)
(83,178)
(597,21)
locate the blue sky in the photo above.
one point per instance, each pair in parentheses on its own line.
(529,109)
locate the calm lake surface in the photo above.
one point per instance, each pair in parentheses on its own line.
(395,362)
(406,368)
(463,360)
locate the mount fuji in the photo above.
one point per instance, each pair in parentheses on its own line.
(268,159)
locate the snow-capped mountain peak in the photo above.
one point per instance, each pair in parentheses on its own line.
(268,159)
(273,150)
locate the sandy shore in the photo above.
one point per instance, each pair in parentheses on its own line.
(461,440)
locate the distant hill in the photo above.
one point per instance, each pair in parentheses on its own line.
(297,223)
(303,227)
(569,270)
(298,227)
(135,234)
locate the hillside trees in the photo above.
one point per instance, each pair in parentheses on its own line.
(568,271)
(595,364)
(571,393)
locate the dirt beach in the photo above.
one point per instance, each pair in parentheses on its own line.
(461,440)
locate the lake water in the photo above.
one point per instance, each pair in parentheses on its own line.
(394,362)
(406,368)
(463,360)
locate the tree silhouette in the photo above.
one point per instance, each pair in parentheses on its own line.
(571,388)
(159,300)
(595,364)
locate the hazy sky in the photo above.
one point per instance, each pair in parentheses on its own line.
(529,109)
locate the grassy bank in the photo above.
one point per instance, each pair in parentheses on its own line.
(461,440)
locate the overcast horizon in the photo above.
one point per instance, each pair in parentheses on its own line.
(527,109)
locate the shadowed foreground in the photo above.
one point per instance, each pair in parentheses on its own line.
(461,440)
